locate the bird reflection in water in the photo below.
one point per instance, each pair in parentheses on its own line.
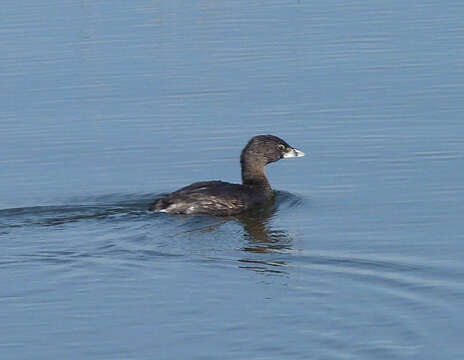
(263,239)
(263,243)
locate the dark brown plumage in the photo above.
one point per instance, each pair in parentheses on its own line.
(222,198)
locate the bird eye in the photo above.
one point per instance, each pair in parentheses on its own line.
(281,146)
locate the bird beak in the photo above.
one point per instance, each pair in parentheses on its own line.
(294,153)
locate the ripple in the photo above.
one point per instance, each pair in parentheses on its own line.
(109,207)
(400,293)
(394,270)
(410,286)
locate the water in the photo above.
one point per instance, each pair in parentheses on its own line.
(107,105)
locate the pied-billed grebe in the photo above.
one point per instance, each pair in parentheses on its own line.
(222,198)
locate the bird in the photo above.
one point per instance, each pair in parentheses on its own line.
(219,198)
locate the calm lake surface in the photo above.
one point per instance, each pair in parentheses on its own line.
(106,105)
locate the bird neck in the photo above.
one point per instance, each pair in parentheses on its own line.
(253,174)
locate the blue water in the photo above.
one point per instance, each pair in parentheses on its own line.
(106,105)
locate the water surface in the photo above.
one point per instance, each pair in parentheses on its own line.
(108,105)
